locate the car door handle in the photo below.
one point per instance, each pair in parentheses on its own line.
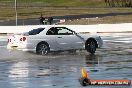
(59,37)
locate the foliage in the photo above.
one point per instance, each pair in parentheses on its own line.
(119,3)
(51,3)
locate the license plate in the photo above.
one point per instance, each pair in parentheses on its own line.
(14,47)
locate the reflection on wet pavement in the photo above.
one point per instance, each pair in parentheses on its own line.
(27,70)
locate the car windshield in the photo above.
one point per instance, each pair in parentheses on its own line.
(35,31)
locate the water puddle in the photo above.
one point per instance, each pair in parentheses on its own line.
(27,70)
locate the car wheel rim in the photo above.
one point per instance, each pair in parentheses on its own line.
(43,49)
(92,46)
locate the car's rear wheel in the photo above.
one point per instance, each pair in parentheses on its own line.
(91,46)
(42,49)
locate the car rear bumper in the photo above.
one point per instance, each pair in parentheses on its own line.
(23,47)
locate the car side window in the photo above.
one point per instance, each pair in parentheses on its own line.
(52,31)
(35,31)
(64,31)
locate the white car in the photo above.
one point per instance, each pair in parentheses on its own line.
(44,40)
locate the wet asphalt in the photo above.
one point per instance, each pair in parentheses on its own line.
(62,70)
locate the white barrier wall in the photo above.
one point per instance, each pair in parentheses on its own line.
(124,27)
(17,29)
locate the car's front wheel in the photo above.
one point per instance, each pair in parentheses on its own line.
(91,46)
(42,49)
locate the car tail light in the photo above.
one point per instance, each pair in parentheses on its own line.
(20,39)
(23,39)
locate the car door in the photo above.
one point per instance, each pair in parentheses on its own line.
(66,39)
(52,36)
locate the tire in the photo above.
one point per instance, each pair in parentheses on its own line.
(42,49)
(91,46)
